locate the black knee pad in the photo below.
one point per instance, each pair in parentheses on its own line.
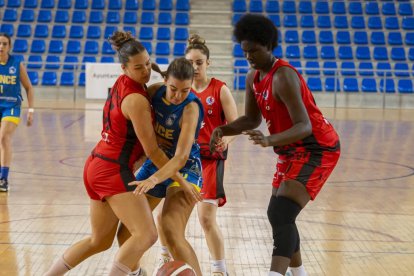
(282,213)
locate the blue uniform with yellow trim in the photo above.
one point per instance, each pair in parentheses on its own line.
(10,92)
(167,128)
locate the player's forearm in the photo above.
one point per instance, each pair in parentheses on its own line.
(296,133)
(159,158)
(239,125)
(30,97)
(171,170)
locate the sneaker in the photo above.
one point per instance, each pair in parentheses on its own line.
(141,272)
(161,261)
(4,185)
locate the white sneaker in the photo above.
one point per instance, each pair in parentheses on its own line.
(161,261)
(141,272)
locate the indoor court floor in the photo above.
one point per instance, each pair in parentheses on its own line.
(362,222)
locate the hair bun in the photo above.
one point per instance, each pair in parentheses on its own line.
(119,38)
(196,39)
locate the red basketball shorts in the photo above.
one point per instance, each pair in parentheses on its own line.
(104,178)
(213,174)
(312,169)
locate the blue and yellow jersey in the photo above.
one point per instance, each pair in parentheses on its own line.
(10,92)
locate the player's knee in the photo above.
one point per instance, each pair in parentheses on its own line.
(207,222)
(282,213)
(5,139)
(99,244)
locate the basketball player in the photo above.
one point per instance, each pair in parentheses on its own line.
(12,73)
(127,134)
(307,144)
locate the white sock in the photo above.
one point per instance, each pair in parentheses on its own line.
(272,273)
(165,251)
(119,269)
(219,266)
(135,273)
(298,271)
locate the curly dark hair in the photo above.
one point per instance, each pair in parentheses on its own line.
(257,28)
(126,45)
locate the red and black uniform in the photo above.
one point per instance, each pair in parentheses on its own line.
(213,164)
(108,170)
(310,160)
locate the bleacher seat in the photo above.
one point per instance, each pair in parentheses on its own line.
(306,21)
(162,48)
(272,6)
(358,22)
(236,17)
(292,36)
(163,33)
(130,18)
(20,46)
(378,38)
(409,38)
(96,17)
(78,17)
(345,52)
(363,53)
(55,47)
(329,68)
(398,54)
(62,16)
(165,5)
(162,60)
(70,62)
(297,65)
(237,51)
(115,5)
(332,85)
(371,8)
(146,33)
(49,78)
(351,85)
(341,22)
(181,34)
(47,4)
(34,62)
(7,29)
(405,86)
(290,21)
(65,4)
(411,54)
(81,4)
(147,18)
(290,7)
(374,22)
(164,18)
(391,23)
(323,21)
(239,82)
(13,3)
(308,37)
(380,53)
(38,46)
(314,84)
(179,49)
(366,69)
(401,69)
(312,68)
(147,46)
(107,59)
(130,29)
(34,77)
(310,52)
(27,16)
(405,9)
(113,17)
(388,85)
(98,4)
(52,62)
(73,47)
(322,7)
(131,5)
(87,59)
(58,31)
(67,79)
(241,66)
(24,30)
(338,8)
(355,8)
(76,31)
(239,6)
(182,5)
(293,51)
(360,38)
(109,31)
(325,37)
(278,52)
(93,32)
(343,37)
(30,4)
(388,9)
(407,23)
(369,85)
(328,52)
(10,15)
(384,69)
(348,68)
(182,18)
(148,5)
(44,16)
(82,78)
(256,6)
(107,48)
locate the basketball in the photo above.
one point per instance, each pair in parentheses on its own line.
(176,268)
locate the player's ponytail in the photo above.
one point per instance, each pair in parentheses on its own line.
(126,45)
(197,42)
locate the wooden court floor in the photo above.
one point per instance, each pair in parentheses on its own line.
(362,223)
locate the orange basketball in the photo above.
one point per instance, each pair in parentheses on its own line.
(176,268)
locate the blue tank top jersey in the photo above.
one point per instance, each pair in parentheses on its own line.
(167,129)
(10,92)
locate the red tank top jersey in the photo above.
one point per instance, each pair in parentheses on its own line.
(323,137)
(213,117)
(119,142)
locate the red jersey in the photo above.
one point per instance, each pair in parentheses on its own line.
(119,142)
(213,117)
(323,137)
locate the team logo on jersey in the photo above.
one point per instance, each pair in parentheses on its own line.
(171,119)
(210,100)
(12,70)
